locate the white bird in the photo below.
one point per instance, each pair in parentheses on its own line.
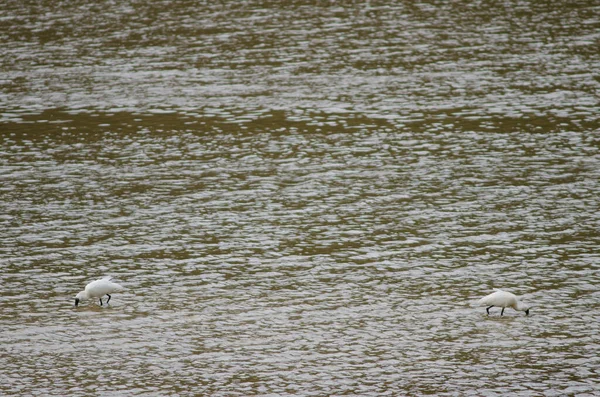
(97,289)
(503,299)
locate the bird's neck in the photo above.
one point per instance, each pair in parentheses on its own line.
(520,307)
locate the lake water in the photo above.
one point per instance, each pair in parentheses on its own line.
(300,200)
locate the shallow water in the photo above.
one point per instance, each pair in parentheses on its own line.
(299,200)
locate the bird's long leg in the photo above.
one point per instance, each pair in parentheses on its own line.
(502,312)
(488,309)
(100,301)
(108,298)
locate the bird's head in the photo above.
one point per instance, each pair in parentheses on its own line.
(524,308)
(80,297)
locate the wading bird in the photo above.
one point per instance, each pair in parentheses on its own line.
(503,299)
(97,289)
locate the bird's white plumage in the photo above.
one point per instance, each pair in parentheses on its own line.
(503,299)
(97,289)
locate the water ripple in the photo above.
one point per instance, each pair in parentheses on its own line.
(299,200)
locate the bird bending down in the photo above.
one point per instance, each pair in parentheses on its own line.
(97,289)
(503,299)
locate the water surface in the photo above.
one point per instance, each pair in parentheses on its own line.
(301,199)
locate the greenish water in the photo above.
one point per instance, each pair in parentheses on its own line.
(300,199)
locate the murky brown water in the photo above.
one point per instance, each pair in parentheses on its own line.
(300,200)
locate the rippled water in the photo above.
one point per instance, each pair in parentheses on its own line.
(300,200)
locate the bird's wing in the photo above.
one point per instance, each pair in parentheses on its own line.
(117,287)
(491,299)
(102,287)
(482,301)
(110,279)
(106,280)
